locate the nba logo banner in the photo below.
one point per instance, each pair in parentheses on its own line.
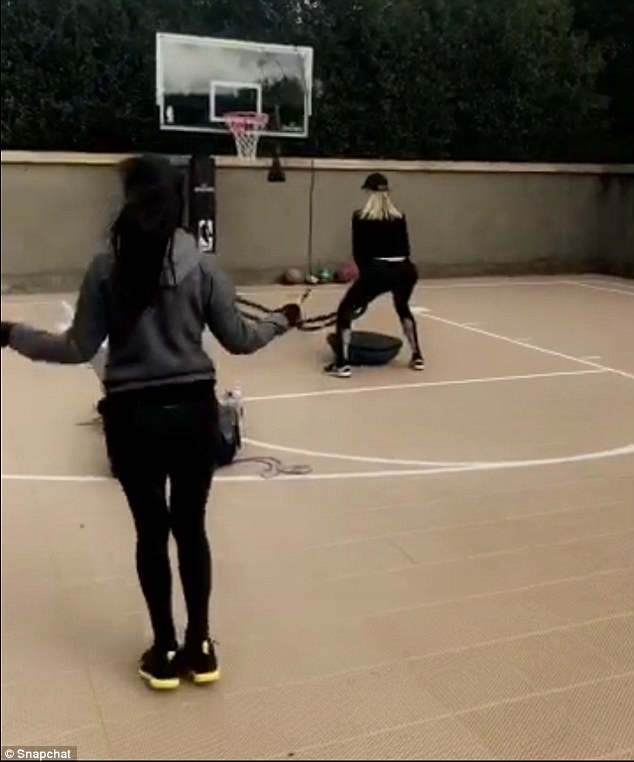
(202,202)
(206,236)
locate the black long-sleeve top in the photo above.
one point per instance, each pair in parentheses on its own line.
(379,239)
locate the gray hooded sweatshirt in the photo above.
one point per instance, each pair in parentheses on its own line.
(165,345)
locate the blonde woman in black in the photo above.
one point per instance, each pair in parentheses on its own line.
(381,251)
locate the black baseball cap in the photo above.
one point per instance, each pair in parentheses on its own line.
(375,182)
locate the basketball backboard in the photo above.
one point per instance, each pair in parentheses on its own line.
(200,79)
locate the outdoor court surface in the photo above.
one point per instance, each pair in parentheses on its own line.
(454,580)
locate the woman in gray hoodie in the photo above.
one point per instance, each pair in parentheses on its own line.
(152,294)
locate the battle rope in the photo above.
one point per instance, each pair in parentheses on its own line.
(273,467)
(316,323)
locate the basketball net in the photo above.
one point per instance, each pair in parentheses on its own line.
(246,127)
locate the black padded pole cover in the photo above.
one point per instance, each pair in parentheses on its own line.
(202,201)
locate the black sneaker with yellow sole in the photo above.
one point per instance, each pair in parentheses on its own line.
(159,668)
(199,662)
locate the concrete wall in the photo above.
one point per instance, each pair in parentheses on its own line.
(617,224)
(465,219)
(54,218)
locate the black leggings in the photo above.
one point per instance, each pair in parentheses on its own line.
(378,278)
(152,438)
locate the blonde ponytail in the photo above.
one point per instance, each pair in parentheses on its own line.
(379,206)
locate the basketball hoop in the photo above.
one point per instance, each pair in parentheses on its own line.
(246,127)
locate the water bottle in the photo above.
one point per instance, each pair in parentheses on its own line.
(238,398)
(235,399)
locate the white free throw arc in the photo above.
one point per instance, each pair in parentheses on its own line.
(450,465)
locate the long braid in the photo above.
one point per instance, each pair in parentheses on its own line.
(142,235)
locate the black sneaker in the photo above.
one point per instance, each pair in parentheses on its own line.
(200,663)
(159,669)
(340,371)
(417,363)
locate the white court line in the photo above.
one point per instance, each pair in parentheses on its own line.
(528,345)
(419,385)
(360,458)
(627,450)
(599,288)
(472,465)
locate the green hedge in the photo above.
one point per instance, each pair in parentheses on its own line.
(533,80)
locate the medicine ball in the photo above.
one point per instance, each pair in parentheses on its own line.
(369,348)
(292,277)
(348,273)
(325,276)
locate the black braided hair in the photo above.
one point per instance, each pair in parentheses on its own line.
(142,235)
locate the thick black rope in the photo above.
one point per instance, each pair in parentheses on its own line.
(315,323)
(273,467)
